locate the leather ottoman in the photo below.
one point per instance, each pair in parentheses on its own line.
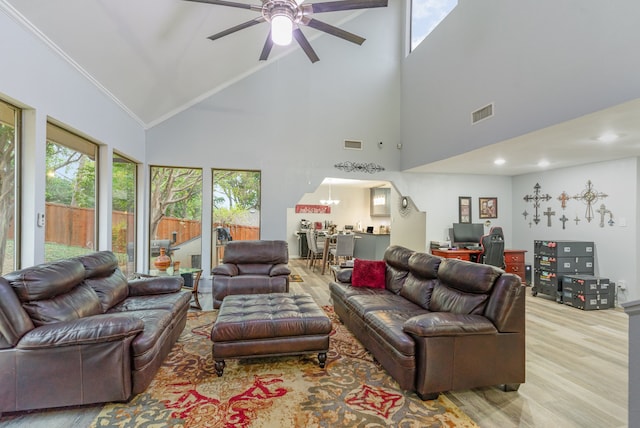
(261,325)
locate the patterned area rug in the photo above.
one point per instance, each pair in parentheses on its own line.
(294,277)
(281,392)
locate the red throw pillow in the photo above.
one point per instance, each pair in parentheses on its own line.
(368,273)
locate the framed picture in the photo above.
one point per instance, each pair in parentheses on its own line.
(488,207)
(464,209)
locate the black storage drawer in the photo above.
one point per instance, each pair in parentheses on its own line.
(565,264)
(564,248)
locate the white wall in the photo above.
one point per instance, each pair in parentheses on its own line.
(541,62)
(39,81)
(615,246)
(290,118)
(437,195)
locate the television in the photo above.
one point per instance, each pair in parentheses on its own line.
(467,234)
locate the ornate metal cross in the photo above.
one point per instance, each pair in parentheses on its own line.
(590,196)
(536,198)
(603,211)
(563,198)
(563,219)
(549,213)
(577,219)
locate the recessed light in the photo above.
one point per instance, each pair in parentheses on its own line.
(499,161)
(543,163)
(608,137)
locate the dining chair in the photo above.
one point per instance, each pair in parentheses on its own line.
(315,249)
(344,248)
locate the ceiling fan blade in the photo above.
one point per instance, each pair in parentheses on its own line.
(304,44)
(335,31)
(266,50)
(230,4)
(332,6)
(238,27)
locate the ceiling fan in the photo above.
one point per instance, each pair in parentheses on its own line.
(287,16)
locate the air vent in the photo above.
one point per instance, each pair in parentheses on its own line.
(352,145)
(481,114)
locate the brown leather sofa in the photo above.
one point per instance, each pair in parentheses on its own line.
(439,324)
(75,331)
(251,267)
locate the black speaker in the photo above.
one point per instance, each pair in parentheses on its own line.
(527,274)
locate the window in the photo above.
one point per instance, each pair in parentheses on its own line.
(236,208)
(426,15)
(9,126)
(70,192)
(123,212)
(176,215)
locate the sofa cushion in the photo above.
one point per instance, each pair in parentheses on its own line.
(467,276)
(418,290)
(369,273)
(388,324)
(46,280)
(446,299)
(101,263)
(80,302)
(254,269)
(111,289)
(397,259)
(262,251)
(361,304)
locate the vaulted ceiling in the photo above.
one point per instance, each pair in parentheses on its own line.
(154,59)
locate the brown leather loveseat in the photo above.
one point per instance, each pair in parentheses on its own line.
(75,331)
(438,324)
(251,267)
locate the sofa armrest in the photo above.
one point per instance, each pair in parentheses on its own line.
(155,285)
(280,269)
(93,329)
(225,269)
(448,324)
(344,275)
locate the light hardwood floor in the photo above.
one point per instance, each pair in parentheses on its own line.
(577,370)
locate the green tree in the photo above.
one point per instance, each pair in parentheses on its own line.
(176,192)
(7,186)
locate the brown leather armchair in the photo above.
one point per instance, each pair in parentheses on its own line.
(251,267)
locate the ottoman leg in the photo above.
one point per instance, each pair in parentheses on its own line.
(322,358)
(219,365)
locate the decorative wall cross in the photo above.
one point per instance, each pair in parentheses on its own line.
(590,196)
(577,219)
(603,211)
(549,213)
(536,198)
(563,198)
(563,219)
(525,214)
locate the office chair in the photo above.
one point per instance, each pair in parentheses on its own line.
(493,248)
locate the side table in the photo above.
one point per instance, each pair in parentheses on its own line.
(191,277)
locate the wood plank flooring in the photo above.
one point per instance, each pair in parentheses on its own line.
(577,370)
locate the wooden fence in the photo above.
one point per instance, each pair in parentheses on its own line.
(81,232)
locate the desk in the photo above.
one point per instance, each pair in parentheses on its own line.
(460,254)
(191,277)
(513,259)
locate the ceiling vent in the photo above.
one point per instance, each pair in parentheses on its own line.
(352,145)
(482,114)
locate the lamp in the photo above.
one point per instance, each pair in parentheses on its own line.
(281,26)
(329,201)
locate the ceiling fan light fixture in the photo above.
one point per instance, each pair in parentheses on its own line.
(281,29)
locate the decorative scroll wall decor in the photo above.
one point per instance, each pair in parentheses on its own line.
(349,166)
